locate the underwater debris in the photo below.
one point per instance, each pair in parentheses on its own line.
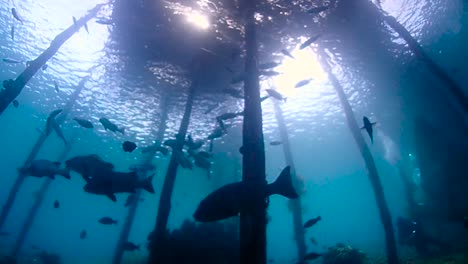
(108,125)
(343,254)
(207,243)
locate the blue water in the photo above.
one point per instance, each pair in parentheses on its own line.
(325,154)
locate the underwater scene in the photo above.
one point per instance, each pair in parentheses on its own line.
(234,131)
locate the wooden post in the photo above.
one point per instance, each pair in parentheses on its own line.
(413,44)
(296,207)
(12,88)
(32,155)
(253,219)
(160,231)
(125,232)
(35,208)
(385,217)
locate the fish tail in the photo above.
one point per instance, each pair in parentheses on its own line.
(65,173)
(283,185)
(147,184)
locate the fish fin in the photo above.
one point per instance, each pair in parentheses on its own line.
(112,197)
(283,185)
(363,127)
(373,123)
(59,132)
(65,173)
(147,184)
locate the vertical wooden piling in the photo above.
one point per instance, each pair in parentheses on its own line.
(32,155)
(160,231)
(12,88)
(253,218)
(385,217)
(296,207)
(413,44)
(125,232)
(37,204)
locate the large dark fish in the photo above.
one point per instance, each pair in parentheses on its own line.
(53,125)
(316,10)
(109,183)
(227,116)
(16,16)
(202,162)
(107,221)
(182,159)
(84,123)
(217,133)
(312,222)
(368,127)
(309,41)
(45,168)
(273,93)
(108,125)
(89,166)
(129,146)
(231,199)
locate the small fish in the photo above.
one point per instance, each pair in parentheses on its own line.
(56,86)
(129,146)
(12,33)
(83,234)
(15,103)
(268,65)
(8,60)
(104,21)
(193,145)
(316,10)
(312,222)
(84,123)
(287,53)
(56,204)
(231,199)
(107,221)
(275,143)
(211,108)
(312,256)
(302,83)
(368,127)
(309,41)
(108,125)
(44,67)
(16,16)
(129,246)
(269,73)
(227,116)
(273,93)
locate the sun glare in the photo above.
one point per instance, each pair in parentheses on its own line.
(198,20)
(304,66)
